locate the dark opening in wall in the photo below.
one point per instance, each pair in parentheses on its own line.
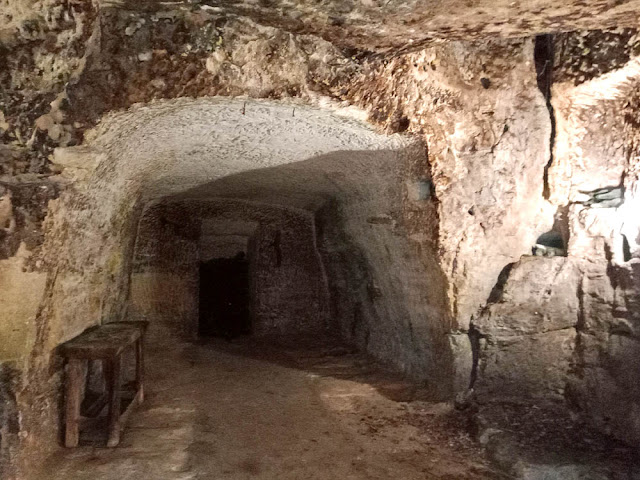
(498,289)
(550,244)
(543,56)
(224,297)
(626,249)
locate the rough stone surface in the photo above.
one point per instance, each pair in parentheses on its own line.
(540,295)
(9,418)
(398,25)
(164,280)
(543,441)
(525,367)
(596,147)
(530,326)
(472,132)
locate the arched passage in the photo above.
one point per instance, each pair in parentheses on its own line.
(255,161)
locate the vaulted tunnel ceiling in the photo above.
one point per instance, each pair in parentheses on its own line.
(255,151)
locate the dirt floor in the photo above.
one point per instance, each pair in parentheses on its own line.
(240,410)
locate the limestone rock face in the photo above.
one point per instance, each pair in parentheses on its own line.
(378,25)
(596,134)
(488,147)
(530,367)
(528,333)
(567,325)
(540,295)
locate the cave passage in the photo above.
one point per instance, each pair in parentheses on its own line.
(222,218)
(224,297)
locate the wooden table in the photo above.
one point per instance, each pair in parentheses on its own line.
(105,343)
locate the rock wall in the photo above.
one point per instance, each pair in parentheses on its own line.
(597,146)
(566,325)
(526,335)
(488,131)
(289,287)
(164,280)
(386,299)
(9,418)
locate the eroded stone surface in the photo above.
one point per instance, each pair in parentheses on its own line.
(540,295)
(398,25)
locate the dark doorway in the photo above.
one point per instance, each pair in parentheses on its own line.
(224,297)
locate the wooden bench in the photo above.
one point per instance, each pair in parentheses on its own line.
(105,343)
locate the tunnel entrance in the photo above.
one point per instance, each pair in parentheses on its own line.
(224,297)
(315,206)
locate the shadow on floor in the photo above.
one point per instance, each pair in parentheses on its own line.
(326,357)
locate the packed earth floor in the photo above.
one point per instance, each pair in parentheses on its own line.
(239,410)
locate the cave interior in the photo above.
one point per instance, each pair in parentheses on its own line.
(368,239)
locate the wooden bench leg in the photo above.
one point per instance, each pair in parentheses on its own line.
(140,369)
(112,377)
(72,402)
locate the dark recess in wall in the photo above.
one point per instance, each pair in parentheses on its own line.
(543,57)
(626,249)
(224,297)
